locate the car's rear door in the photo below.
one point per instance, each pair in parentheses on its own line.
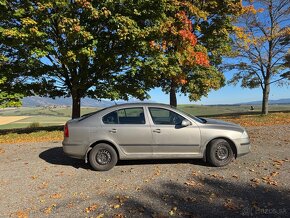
(169,136)
(130,129)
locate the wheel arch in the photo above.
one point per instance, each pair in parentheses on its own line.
(230,141)
(98,142)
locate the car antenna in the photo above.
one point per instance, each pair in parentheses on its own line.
(115,102)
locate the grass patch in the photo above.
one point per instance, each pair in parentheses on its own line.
(40,136)
(36,134)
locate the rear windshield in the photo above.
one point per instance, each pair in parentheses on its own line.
(85,116)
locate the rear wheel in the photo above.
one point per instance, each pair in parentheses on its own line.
(219,153)
(103,157)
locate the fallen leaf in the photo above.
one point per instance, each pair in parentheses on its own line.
(118,215)
(48,210)
(91,208)
(22,214)
(122,199)
(100,215)
(229,204)
(2,151)
(116,206)
(255,180)
(42,201)
(274,174)
(43,185)
(190,183)
(56,196)
(269,180)
(157,171)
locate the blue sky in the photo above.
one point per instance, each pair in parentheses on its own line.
(226,95)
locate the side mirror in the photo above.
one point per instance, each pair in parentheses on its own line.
(185,123)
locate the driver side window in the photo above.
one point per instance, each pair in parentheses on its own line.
(162,116)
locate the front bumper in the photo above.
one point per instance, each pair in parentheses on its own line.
(243,146)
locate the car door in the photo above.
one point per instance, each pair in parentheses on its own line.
(169,136)
(130,129)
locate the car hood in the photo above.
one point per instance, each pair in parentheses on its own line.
(222,124)
(219,122)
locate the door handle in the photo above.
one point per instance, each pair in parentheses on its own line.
(113,131)
(157,130)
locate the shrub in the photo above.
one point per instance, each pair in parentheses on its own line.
(34,125)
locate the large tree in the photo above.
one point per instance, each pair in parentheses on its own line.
(190,46)
(259,51)
(79,48)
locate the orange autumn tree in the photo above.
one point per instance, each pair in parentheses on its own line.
(189,47)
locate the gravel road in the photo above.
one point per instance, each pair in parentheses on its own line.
(37,180)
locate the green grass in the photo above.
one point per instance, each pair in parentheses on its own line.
(200,110)
(45,119)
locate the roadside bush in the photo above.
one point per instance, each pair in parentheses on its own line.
(34,125)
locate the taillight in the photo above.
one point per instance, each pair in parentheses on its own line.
(65,131)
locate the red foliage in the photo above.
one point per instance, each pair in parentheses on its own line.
(187,35)
(152,44)
(184,42)
(186,32)
(201,59)
(183,81)
(184,20)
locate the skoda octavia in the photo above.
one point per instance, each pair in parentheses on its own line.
(151,131)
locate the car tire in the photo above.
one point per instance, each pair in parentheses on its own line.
(219,152)
(103,157)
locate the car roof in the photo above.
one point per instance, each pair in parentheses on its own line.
(141,104)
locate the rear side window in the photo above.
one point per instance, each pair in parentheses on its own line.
(111,118)
(162,116)
(125,116)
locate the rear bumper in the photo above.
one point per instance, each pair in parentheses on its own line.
(74,150)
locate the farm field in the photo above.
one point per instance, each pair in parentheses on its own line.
(27,116)
(42,116)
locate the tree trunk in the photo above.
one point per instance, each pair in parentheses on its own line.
(265,103)
(173,100)
(76,106)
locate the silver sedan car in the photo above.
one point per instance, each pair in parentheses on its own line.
(151,131)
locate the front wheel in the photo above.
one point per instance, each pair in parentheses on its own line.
(103,157)
(219,153)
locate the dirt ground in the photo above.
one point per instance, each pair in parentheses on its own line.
(10,119)
(37,180)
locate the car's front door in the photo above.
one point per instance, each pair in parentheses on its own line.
(170,137)
(129,128)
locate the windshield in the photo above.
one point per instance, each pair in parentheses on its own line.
(198,119)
